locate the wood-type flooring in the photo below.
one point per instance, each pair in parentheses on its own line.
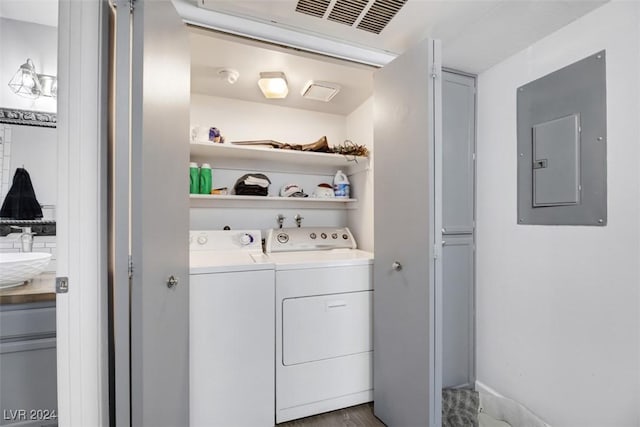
(355,416)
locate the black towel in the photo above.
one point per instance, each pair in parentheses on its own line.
(21,202)
(241,188)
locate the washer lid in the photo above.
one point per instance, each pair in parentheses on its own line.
(203,262)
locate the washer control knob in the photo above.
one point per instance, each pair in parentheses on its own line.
(334,235)
(246,239)
(345,236)
(282,238)
(313,235)
(202,240)
(323,235)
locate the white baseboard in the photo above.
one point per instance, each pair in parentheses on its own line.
(503,408)
(483,388)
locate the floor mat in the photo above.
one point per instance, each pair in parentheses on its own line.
(460,408)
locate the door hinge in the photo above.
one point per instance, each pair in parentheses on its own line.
(435,251)
(123,3)
(473,156)
(130,267)
(434,71)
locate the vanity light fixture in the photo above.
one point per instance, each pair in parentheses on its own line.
(27,83)
(273,85)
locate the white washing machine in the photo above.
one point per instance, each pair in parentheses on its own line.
(231,331)
(323,320)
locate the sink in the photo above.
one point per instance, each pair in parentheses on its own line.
(17,267)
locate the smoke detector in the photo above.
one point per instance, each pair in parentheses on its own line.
(229,74)
(320,91)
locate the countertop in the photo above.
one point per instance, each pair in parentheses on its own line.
(40,288)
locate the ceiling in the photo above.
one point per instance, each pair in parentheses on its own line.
(212,51)
(475,35)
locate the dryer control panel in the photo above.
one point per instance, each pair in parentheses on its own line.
(308,239)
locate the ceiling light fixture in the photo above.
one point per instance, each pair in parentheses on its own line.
(273,85)
(320,91)
(27,83)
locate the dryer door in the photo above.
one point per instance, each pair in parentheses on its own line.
(326,326)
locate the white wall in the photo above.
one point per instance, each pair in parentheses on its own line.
(360,131)
(22,40)
(558,308)
(246,121)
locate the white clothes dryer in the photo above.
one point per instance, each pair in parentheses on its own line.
(323,320)
(231,336)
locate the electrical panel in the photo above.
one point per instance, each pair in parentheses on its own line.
(562,136)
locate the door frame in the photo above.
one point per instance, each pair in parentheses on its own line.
(437,287)
(82,322)
(81,313)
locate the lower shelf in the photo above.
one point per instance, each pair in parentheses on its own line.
(231,201)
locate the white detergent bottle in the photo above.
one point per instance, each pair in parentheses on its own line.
(341,186)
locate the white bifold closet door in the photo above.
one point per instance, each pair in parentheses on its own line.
(407,232)
(458,225)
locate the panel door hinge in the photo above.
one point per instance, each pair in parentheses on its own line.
(130,267)
(124,3)
(435,251)
(434,71)
(473,156)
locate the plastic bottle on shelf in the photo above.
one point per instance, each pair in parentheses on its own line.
(341,186)
(205,179)
(194,178)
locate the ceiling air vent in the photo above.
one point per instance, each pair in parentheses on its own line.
(313,7)
(379,15)
(347,11)
(366,15)
(320,91)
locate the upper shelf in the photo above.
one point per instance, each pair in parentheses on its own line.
(266,158)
